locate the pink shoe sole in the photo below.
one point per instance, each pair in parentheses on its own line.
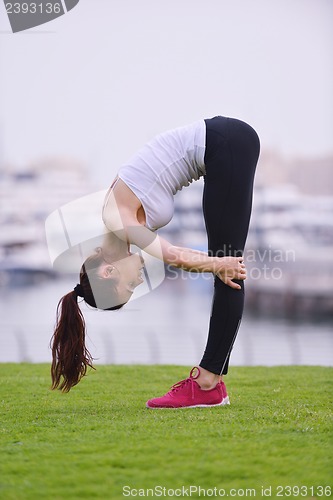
(225,401)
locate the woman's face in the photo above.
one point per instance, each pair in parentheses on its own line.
(127,274)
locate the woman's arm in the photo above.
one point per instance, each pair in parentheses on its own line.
(120,216)
(226,268)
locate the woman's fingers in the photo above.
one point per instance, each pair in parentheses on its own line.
(242,274)
(232,284)
(233,268)
(241,269)
(228,281)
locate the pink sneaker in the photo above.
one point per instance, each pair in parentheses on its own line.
(188,394)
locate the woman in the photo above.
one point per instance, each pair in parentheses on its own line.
(225,152)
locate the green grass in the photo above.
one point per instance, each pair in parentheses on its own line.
(100,437)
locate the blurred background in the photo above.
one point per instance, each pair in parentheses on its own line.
(79,95)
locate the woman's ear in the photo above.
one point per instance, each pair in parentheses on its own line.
(107,271)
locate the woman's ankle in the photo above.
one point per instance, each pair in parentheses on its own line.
(207,380)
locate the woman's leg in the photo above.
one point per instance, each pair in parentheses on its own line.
(232,151)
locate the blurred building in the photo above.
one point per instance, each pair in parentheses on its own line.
(27,197)
(313,176)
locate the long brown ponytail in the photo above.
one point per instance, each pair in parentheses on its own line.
(70,357)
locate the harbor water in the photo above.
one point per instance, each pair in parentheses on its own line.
(166,326)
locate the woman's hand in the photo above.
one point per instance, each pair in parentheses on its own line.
(229,268)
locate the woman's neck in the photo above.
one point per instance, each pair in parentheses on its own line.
(114,248)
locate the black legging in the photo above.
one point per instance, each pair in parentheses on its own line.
(232,151)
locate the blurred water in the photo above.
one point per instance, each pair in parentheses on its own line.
(169,325)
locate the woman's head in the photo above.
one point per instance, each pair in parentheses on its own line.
(103,285)
(109,285)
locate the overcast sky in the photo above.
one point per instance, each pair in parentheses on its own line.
(103,79)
